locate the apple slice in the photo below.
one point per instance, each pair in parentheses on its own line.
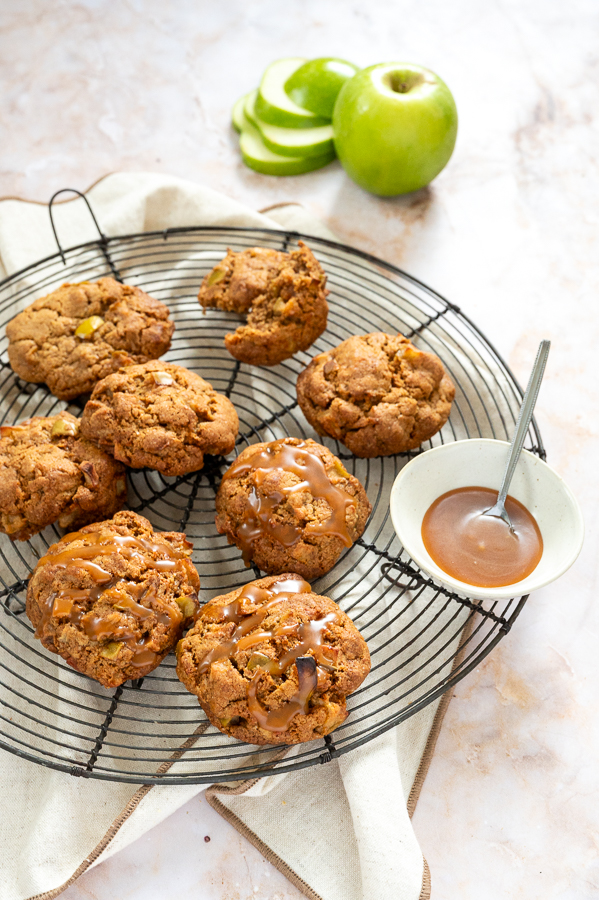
(316,83)
(274,107)
(237,114)
(257,156)
(290,141)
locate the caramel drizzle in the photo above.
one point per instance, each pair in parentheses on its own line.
(124,596)
(278,720)
(238,611)
(310,636)
(101,544)
(258,518)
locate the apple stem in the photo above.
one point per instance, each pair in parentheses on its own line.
(403,82)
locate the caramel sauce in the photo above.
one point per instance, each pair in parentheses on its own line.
(258,519)
(70,604)
(238,611)
(101,544)
(310,636)
(477,549)
(279,719)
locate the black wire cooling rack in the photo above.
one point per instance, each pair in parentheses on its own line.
(422,638)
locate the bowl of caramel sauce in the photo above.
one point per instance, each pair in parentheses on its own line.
(438,502)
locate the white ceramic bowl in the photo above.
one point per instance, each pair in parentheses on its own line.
(481,462)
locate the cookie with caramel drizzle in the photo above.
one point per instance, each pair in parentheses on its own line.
(273,662)
(113,598)
(291,505)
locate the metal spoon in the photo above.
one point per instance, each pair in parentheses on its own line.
(524,417)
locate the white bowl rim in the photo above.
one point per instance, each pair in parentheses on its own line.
(461,587)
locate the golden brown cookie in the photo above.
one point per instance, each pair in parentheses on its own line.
(80,333)
(49,473)
(290,504)
(282,294)
(273,663)
(160,416)
(376,393)
(113,598)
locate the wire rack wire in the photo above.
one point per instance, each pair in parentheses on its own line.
(422,638)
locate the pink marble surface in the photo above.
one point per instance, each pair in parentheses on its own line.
(508,231)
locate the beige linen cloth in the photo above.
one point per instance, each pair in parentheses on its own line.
(343,831)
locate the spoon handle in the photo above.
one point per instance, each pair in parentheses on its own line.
(526,411)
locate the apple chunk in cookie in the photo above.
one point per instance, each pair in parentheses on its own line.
(290,504)
(282,294)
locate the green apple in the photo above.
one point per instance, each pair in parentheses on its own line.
(316,83)
(290,141)
(395,127)
(273,105)
(237,113)
(257,156)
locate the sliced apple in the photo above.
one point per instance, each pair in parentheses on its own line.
(257,156)
(316,83)
(274,107)
(237,113)
(290,141)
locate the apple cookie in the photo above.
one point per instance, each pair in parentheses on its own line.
(377,394)
(160,416)
(272,662)
(113,599)
(80,333)
(290,504)
(49,473)
(282,294)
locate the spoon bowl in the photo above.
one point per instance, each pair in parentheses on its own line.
(481,462)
